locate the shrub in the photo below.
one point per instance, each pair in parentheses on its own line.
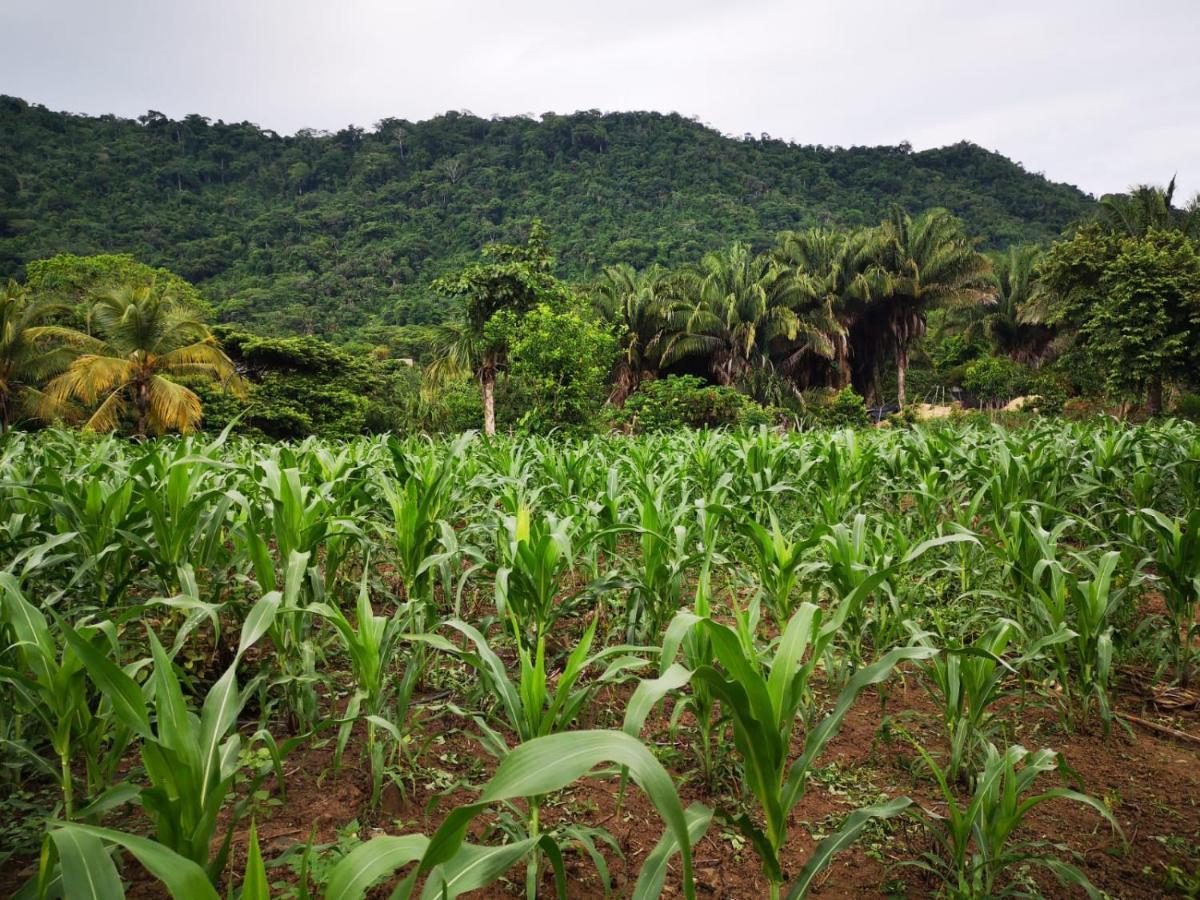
(995,379)
(842,409)
(685,401)
(1187,406)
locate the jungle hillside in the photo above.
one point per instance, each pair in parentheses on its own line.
(331,234)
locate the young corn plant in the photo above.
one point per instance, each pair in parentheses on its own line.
(1086,608)
(536,557)
(763,701)
(975,842)
(380,698)
(76,863)
(659,571)
(191,761)
(965,682)
(1175,555)
(536,705)
(780,561)
(452,867)
(51,688)
(418,497)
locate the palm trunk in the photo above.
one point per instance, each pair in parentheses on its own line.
(488,383)
(1154,396)
(142,402)
(901,372)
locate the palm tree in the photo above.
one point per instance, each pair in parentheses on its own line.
(738,304)
(927,261)
(833,272)
(511,280)
(1148,207)
(146,337)
(638,303)
(31,350)
(1003,321)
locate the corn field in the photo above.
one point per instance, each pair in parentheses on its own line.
(889,662)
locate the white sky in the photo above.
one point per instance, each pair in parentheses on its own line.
(1098,93)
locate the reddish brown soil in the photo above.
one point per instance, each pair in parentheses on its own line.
(1151,781)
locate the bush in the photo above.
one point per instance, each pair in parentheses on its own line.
(560,356)
(1050,392)
(841,409)
(1187,406)
(995,380)
(684,401)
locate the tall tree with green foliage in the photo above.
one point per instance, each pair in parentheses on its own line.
(1132,303)
(32,349)
(511,279)
(637,303)
(1002,320)
(928,261)
(833,272)
(146,337)
(733,306)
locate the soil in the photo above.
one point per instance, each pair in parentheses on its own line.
(1150,780)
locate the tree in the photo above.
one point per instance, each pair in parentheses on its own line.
(637,303)
(561,357)
(1002,320)
(32,349)
(512,279)
(833,273)
(1148,207)
(927,261)
(146,336)
(1132,304)
(737,304)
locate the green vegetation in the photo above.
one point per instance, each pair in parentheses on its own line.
(331,233)
(192,625)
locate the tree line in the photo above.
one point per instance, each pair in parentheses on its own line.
(341,234)
(111,343)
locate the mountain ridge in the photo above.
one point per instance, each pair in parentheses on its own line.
(333,232)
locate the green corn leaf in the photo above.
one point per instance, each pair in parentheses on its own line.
(87,870)
(368,863)
(840,840)
(183,879)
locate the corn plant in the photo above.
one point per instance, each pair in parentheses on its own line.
(763,700)
(779,562)
(1175,554)
(381,699)
(51,688)
(188,509)
(536,558)
(418,497)
(191,760)
(965,682)
(76,863)
(658,572)
(1087,608)
(975,845)
(539,767)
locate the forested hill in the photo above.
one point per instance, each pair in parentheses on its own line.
(330,233)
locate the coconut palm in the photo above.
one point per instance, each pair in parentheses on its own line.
(144,338)
(927,261)
(638,303)
(737,304)
(32,349)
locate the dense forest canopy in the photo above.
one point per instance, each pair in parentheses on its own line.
(331,234)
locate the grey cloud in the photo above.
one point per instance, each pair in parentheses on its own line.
(1099,93)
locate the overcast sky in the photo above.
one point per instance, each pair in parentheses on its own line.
(1099,93)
